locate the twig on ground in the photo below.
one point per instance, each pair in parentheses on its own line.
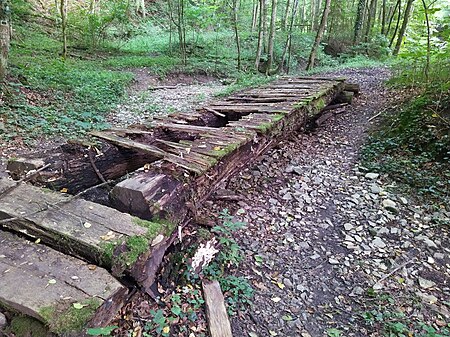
(375,116)
(27,177)
(385,277)
(48,206)
(97,171)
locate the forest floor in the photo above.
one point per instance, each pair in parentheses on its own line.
(330,248)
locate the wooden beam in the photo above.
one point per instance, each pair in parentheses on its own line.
(219,324)
(45,284)
(128,143)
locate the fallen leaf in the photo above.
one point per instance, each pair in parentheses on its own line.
(276,299)
(166,329)
(52,281)
(157,240)
(92,266)
(78,306)
(272,333)
(217,148)
(64,190)
(280,285)
(286,318)
(37,241)
(110,235)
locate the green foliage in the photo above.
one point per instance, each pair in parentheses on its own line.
(24,326)
(414,149)
(238,293)
(65,318)
(106,331)
(377,48)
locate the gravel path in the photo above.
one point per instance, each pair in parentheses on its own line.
(336,241)
(151,97)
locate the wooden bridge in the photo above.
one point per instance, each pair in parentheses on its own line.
(63,256)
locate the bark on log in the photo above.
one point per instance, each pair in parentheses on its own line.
(70,166)
(353,87)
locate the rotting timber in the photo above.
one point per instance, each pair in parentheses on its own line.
(166,171)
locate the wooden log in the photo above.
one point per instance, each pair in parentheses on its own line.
(150,195)
(74,226)
(40,282)
(353,87)
(218,322)
(344,97)
(71,168)
(129,144)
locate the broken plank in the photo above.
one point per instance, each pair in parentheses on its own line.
(128,143)
(74,226)
(71,161)
(252,109)
(40,282)
(218,322)
(149,195)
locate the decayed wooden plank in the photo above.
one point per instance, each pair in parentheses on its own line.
(149,195)
(71,161)
(42,283)
(128,144)
(219,324)
(74,226)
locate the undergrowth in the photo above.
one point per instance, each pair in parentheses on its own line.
(413,144)
(180,309)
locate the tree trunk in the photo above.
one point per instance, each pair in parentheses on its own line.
(399,16)
(272,36)
(63,12)
(370,19)
(287,46)
(5,37)
(404,25)
(264,26)
(285,18)
(260,34)
(255,14)
(359,20)
(313,15)
(236,33)
(315,47)
(383,18)
(140,8)
(427,19)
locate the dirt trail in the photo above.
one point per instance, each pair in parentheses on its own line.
(327,231)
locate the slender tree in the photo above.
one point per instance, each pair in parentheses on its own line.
(359,20)
(272,36)
(403,28)
(399,16)
(236,32)
(63,13)
(262,4)
(315,47)
(5,36)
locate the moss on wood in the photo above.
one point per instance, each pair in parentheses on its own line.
(66,318)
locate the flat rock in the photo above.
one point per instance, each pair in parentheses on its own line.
(372,175)
(426,284)
(378,242)
(50,282)
(390,205)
